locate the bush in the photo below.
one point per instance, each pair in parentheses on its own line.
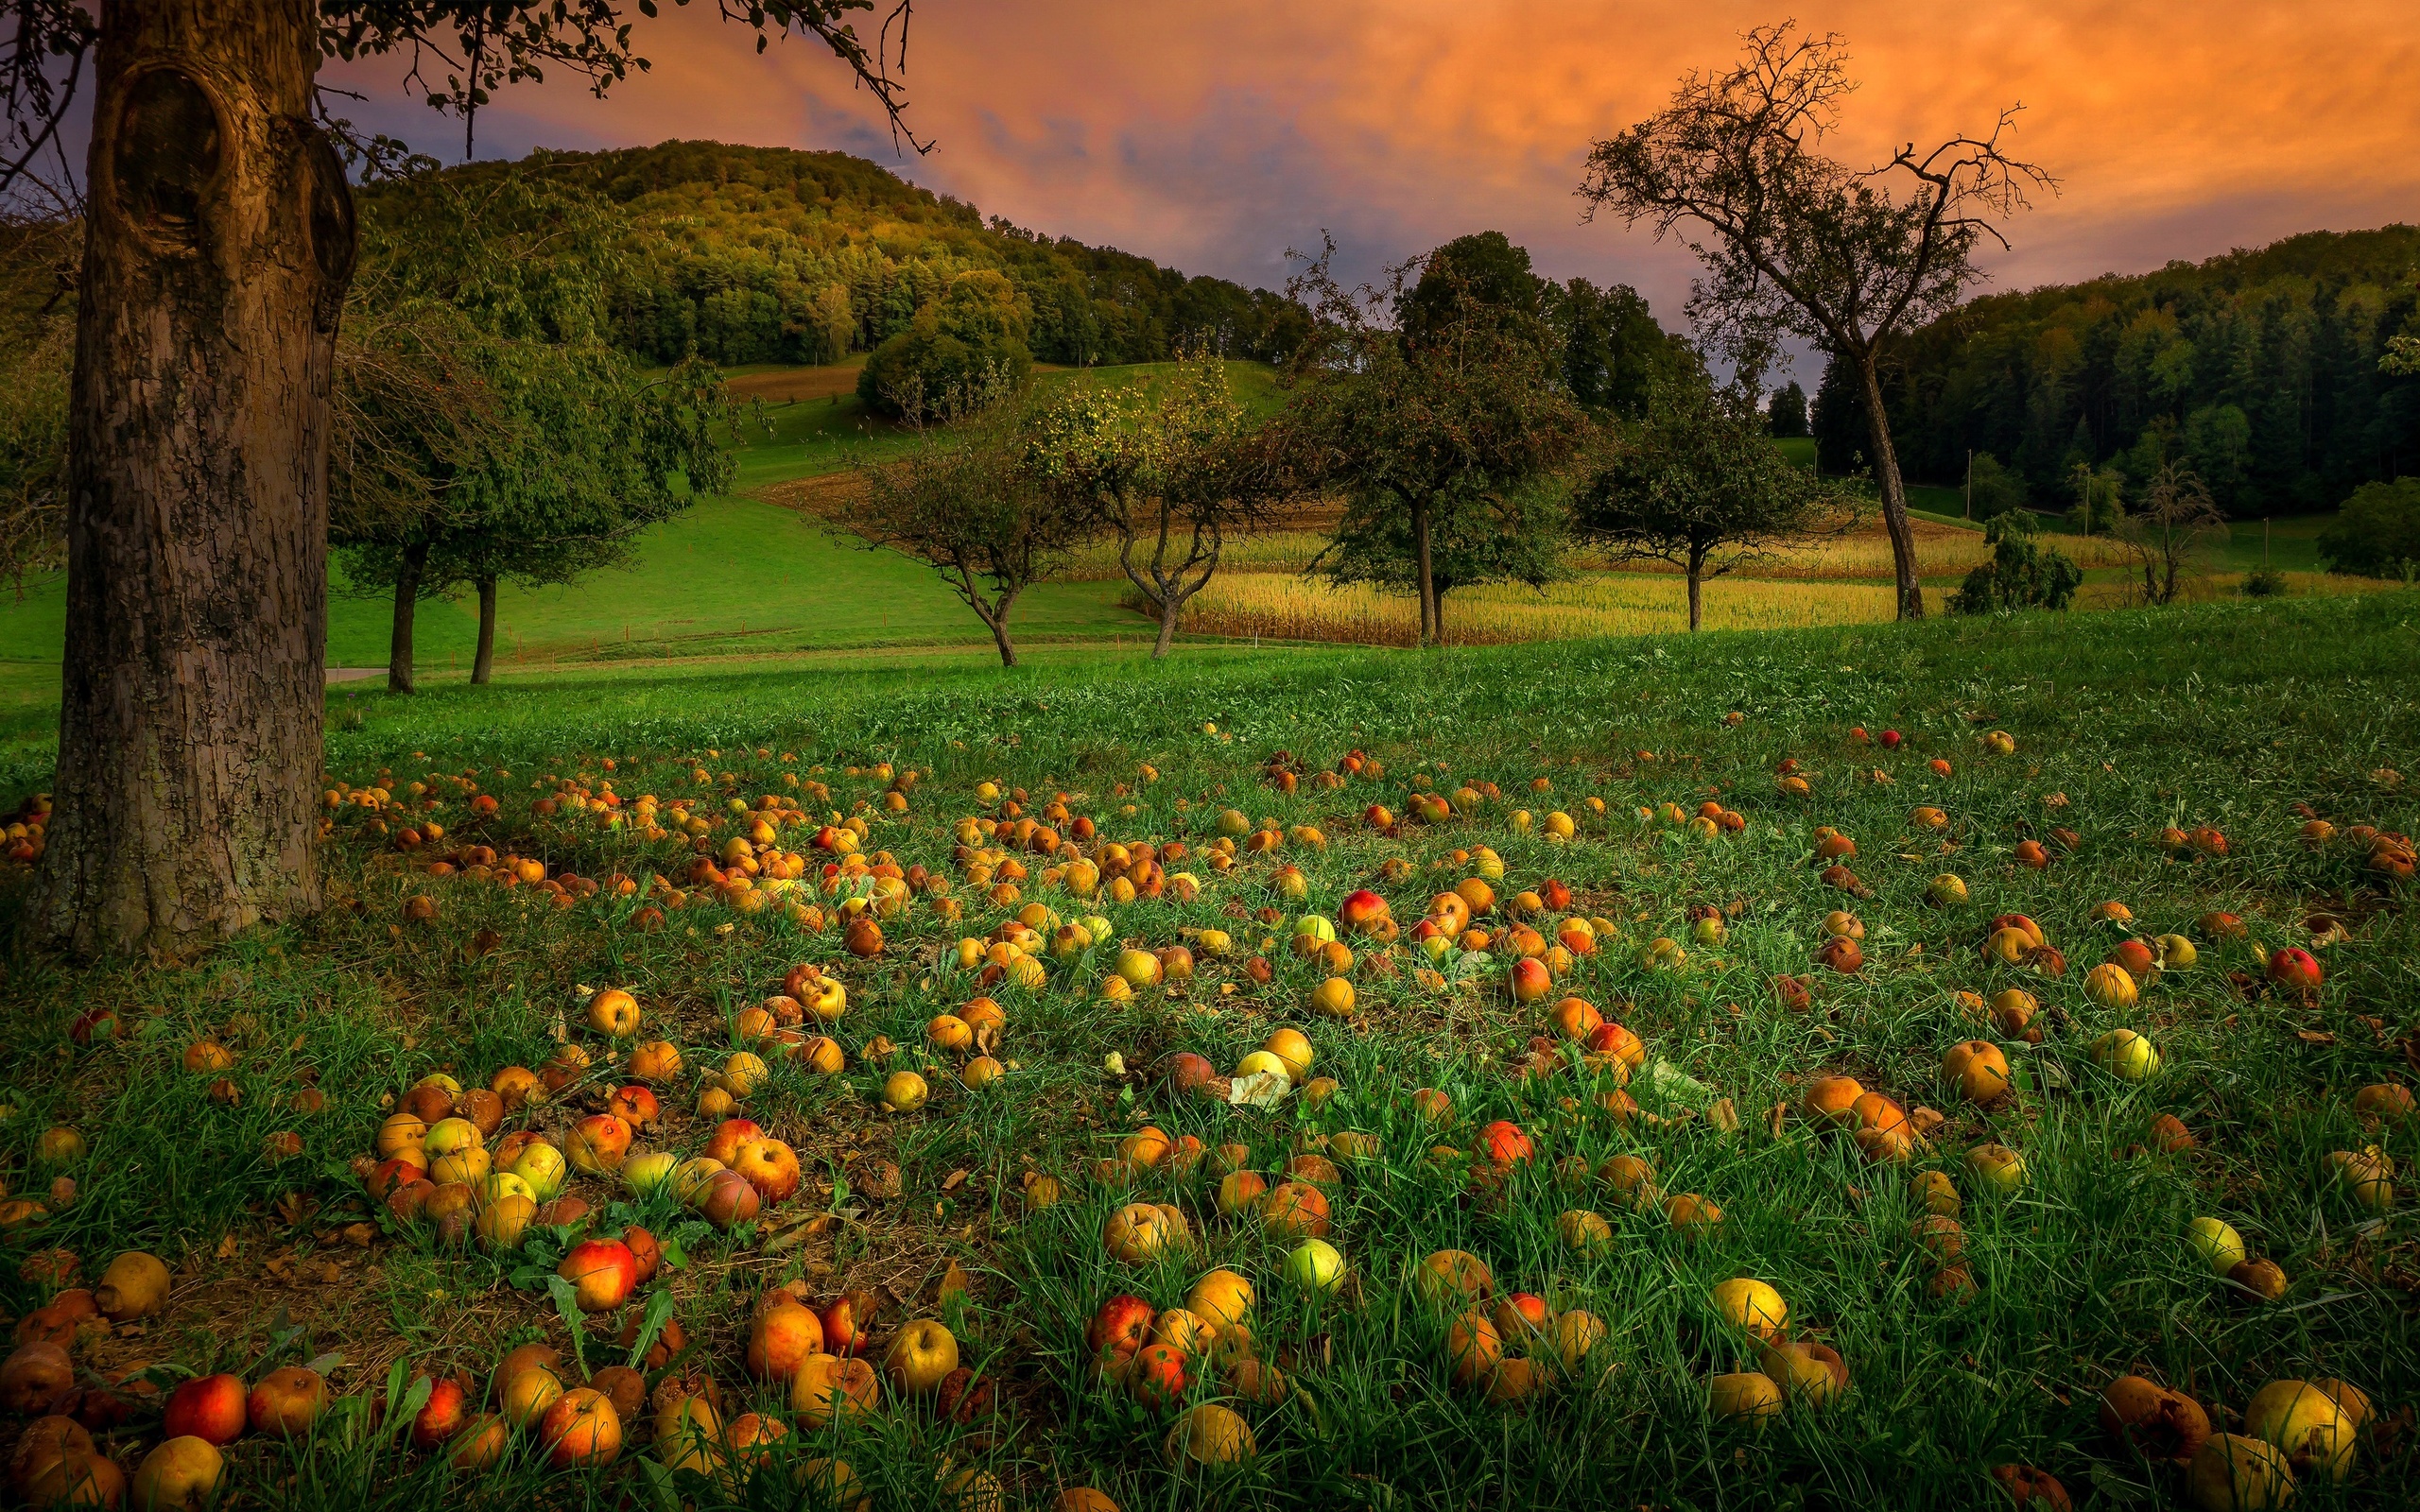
(2375,532)
(2020,573)
(2266,583)
(968,345)
(1997,491)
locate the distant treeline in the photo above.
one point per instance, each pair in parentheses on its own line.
(763,254)
(2260,368)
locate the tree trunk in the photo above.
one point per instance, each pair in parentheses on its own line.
(1437,614)
(1697,583)
(399,641)
(1894,495)
(1170,609)
(219,241)
(1430,610)
(483,662)
(998,619)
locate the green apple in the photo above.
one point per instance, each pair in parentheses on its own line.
(1997,1167)
(2125,1054)
(543,1167)
(1315,1265)
(2219,1246)
(646,1173)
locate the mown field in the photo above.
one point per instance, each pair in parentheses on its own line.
(1979,1308)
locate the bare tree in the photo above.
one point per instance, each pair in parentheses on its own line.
(1796,245)
(1173,475)
(2171,531)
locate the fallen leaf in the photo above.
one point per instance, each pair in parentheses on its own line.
(956,1179)
(955,1282)
(2315,1036)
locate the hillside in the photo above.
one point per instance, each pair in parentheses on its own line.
(2260,366)
(765,254)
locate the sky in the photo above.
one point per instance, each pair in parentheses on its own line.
(1215,135)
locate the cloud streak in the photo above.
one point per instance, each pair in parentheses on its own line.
(1214,136)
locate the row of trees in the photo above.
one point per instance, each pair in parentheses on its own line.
(1472,430)
(484,428)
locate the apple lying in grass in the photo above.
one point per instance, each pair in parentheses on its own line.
(211,1408)
(183,1473)
(602,1272)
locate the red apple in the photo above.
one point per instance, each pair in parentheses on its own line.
(602,1271)
(729,1136)
(848,1323)
(2294,966)
(209,1408)
(1159,1378)
(1503,1143)
(1531,981)
(1891,739)
(448,1412)
(1120,1328)
(1361,909)
(599,1144)
(769,1165)
(635,1105)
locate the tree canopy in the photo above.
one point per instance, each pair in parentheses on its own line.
(1446,436)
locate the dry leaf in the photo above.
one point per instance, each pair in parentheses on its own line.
(955,1282)
(2315,1036)
(226,1249)
(955,1179)
(1725,1117)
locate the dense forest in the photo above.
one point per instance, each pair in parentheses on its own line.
(763,254)
(2260,368)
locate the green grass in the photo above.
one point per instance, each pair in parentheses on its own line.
(727,576)
(2222,714)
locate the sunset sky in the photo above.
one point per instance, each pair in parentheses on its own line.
(1215,134)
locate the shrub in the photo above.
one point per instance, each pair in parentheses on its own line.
(2020,575)
(2375,532)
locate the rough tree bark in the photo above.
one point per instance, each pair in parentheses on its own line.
(997,618)
(399,639)
(483,662)
(1697,586)
(1895,493)
(1431,611)
(218,245)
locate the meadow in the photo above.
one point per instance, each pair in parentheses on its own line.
(501,861)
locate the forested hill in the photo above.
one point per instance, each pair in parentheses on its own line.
(2260,366)
(765,254)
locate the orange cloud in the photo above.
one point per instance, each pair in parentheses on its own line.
(1214,136)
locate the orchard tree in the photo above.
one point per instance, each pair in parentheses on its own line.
(1173,474)
(486,428)
(1698,483)
(219,242)
(1432,403)
(1799,246)
(964,503)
